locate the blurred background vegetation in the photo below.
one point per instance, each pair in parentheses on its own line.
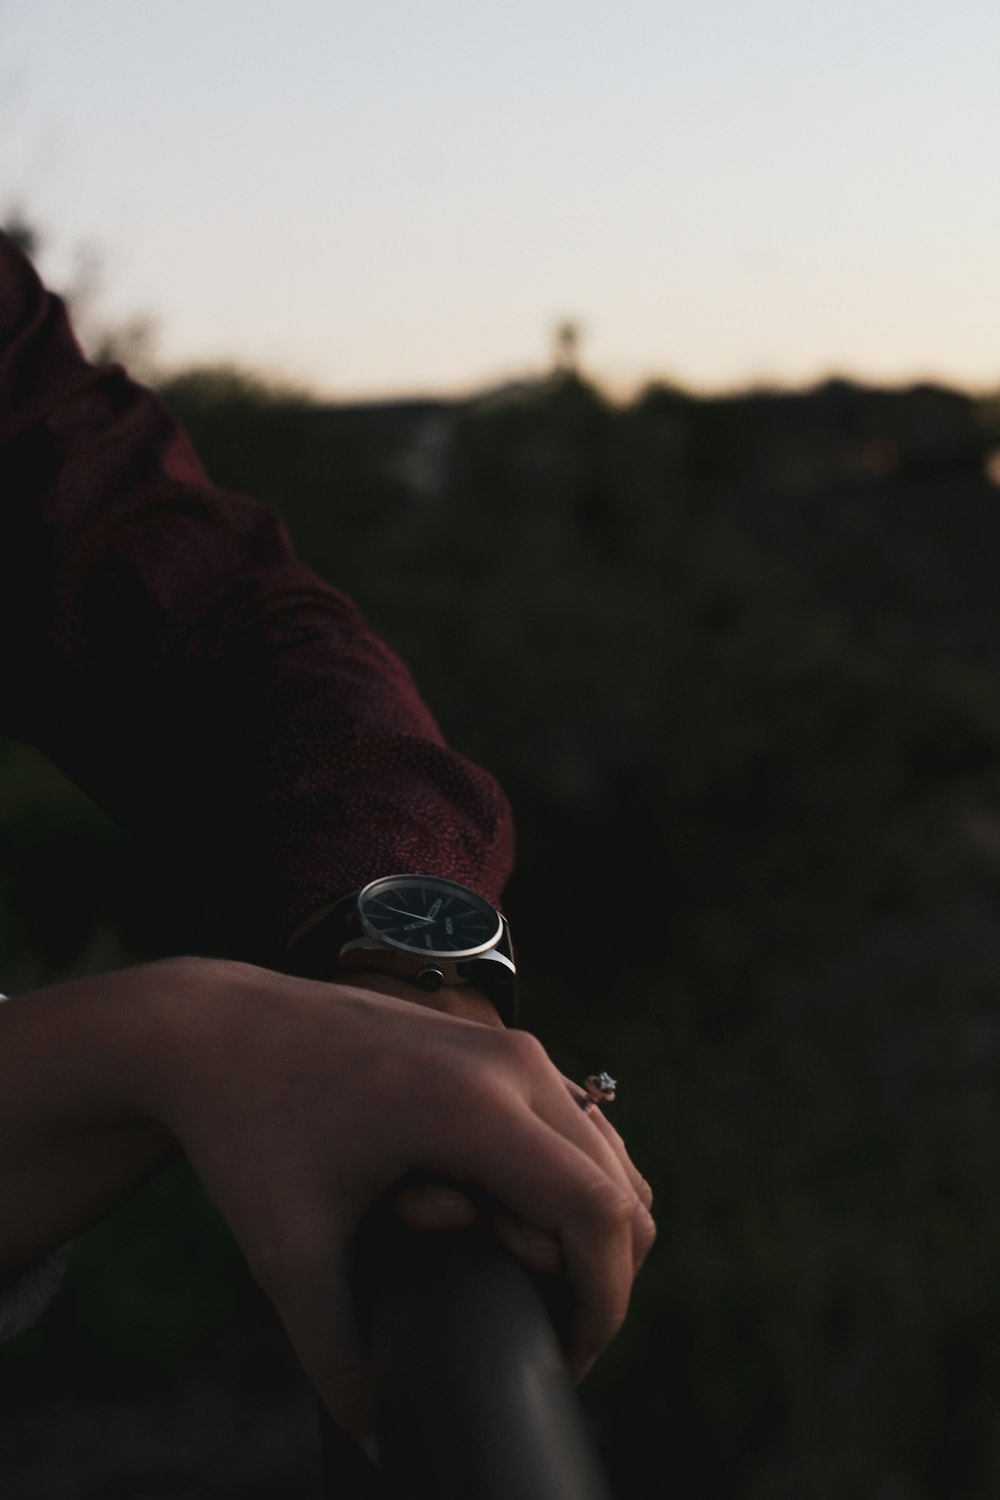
(735,662)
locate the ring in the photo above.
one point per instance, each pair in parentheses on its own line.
(600,1089)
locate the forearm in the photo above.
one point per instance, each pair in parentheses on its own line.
(76,1135)
(181,664)
(79,1086)
(298,1104)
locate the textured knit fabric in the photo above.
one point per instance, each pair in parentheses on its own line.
(166,648)
(163,644)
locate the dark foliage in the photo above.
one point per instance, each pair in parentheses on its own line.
(735,663)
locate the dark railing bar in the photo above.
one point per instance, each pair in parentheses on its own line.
(474,1399)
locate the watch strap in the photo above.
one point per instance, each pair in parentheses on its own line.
(316,954)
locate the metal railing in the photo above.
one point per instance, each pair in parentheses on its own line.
(474,1400)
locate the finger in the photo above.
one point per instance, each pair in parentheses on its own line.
(538,1250)
(311,1293)
(432,1205)
(551,1183)
(599,1120)
(593,1133)
(643,1226)
(643,1190)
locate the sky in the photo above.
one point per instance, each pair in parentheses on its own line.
(389,197)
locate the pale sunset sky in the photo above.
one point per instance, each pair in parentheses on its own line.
(389,197)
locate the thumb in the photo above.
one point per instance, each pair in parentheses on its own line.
(317,1309)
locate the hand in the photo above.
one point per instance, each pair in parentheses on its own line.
(439,1207)
(300,1102)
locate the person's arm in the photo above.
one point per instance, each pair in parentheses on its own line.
(164,645)
(297,1104)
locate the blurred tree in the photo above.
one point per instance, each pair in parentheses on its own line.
(21,229)
(566,347)
(128,341)
(743,694)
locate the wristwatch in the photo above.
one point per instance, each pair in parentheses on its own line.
(421,928)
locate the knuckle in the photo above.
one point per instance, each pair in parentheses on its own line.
(526,1051)
(645,1233)
(183,968)
(609,1204)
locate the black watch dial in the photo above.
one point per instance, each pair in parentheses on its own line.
(424,914)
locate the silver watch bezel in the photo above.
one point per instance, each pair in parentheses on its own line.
(432,882)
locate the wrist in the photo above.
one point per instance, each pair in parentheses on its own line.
(462,1000)
(433,933)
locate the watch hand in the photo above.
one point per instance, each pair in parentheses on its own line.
(411,914)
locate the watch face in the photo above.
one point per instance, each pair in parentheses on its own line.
(424,914)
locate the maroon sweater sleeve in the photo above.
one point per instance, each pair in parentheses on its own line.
(163,644)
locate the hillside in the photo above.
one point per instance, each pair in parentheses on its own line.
(737,663)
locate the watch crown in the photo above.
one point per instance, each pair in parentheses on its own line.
(429,978)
